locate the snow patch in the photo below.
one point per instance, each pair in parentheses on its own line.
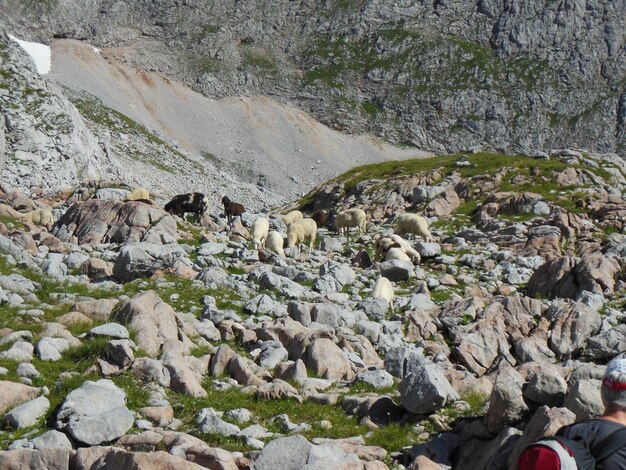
(40,53)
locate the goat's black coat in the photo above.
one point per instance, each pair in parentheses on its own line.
(194,203)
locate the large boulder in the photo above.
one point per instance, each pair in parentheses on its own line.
(95,413)
(106,458)
(565,277)
(286,453)
(426,389)
(328,361)
(572,324)
(584,399)
(136,260)
(104,221)
(27,414)
(183,378)
(154,321)
(14,394)
(482,344)
(597,273)
(506,405)
(554,278)
(29,459)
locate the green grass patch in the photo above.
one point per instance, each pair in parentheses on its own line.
(392,437)
(260,60)
(263,410)
(441,296)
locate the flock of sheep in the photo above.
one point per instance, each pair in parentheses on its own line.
(303,230)
(300,229)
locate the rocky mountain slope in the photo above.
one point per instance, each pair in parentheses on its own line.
(443,75)
(133,338)
(96,117)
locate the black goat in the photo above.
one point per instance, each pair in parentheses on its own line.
(232,209)
(194,203)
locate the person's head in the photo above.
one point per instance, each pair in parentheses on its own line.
(613,389)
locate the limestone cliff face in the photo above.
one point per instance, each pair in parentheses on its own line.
(46,142)
(441,75)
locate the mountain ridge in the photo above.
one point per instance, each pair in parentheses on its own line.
(442,76)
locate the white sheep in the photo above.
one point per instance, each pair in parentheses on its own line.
(383,289)
(40,217)
(384,244)
(351,218)
(302,231)
(414,224)
(274,242)
(260,229)
(292,217)
(396,253)
(137,194)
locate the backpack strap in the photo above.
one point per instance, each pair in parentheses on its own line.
(609,445)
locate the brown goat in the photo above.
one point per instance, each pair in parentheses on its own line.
(319,216)
(232,209)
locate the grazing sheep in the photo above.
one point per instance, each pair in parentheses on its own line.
(260,228)
(232,209)
(414,224)
(396,253)
(384,244)
(302,231)
(319,216)
(193,203)
(292,217)
(40,217)
(351,218)
(383,290)
(274,242)
(138,194)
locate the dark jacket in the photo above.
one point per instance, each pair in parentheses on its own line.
(591,432)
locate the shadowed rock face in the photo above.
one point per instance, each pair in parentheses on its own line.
(97,221)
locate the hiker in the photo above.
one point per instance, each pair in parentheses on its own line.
(603,439)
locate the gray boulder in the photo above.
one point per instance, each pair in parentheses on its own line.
(584,400)
(286,453)
(95,413)
(377,378)
(17,284)
(428,250)
(426,389)
(104,221)
(572,324)
(396,270)
(50,349)
(506,404)
(546,387)
(27,414)
(137,260)
(20,351)
(52,440)
(399,361)
(272,354)
(607,344)
(209,422)
(111,330)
